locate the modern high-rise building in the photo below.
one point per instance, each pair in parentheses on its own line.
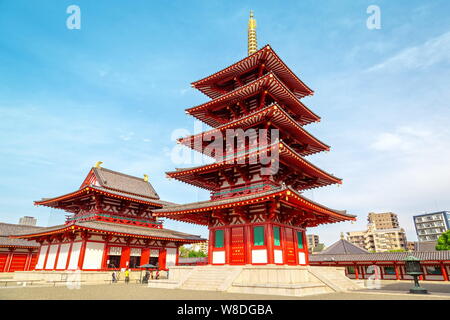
(202,246)
(383,234)
(384,220)
(28,221)
(313,241)
(430,226)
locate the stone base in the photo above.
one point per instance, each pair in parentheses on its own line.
(268,279)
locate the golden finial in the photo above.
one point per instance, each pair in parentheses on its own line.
(145,178)
(252,41)
(342,236)
(98,163)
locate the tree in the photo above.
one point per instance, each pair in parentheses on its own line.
(443,242)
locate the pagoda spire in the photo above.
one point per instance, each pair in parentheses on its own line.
(252,41)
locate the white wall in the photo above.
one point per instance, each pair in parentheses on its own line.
(94,255)
(259,256)
(301,258)
(278,256)
(74,255)
(51,257)
(171,257)
(218,257)
(62,257)
(41,259)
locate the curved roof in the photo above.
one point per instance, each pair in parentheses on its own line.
(279,117)
(123,182)
(272,62)
(269,82)
(114,228)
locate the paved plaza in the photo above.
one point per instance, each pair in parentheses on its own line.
(389,291)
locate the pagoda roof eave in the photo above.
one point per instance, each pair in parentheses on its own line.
(173,212)
(273,62)
(284,151)
(269,82)
(53,202)
(277,115)
(115,229)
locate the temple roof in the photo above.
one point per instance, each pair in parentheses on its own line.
(287,156)
(268,82)
(277,116)
(208,205)
(343,246)
(272,62)
(125,183)
(55,202)
(8,229)
(113,228)
(381,256)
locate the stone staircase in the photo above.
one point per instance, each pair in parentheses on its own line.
(213,278)
(334,278)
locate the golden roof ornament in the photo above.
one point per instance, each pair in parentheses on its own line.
(145,178)
(252,41)
(97,164)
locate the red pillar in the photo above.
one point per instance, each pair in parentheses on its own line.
(210,246)
(125,258)
(28,260)
(356,271)
(177,255)
(105,257)
(69,254)
(227,240)
(305,247)
(46,256)
(82,253)
(397,276)
(8,260)
(269,244)
(57,256)
(283,243)
(444,271)
(145,256)
(248,244)
(162,258)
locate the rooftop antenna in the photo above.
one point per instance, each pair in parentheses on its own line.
(252,41)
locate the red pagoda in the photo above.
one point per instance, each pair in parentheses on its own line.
(257,213)
(110,226)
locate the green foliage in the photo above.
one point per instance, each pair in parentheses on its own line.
(397,250)
(188,253)
(196,254)
(443,242)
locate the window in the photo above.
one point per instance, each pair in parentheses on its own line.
(276,236)
(258,236)
(114,261)
(300,239)
(433,270)
(389,270)
(218,239)
(153,261)
(351,270)
(135,261)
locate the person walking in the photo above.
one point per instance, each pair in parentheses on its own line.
(114,277)
(127,276)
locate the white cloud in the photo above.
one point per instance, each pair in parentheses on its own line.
(405,138)
(431,52)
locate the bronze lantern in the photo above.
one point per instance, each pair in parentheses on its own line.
(413,268)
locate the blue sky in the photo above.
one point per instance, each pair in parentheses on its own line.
(116,89)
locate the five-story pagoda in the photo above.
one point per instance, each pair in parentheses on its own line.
(257,213)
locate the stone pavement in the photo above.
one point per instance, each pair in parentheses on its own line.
(142,292)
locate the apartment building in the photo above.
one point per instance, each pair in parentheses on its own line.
(430,226)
